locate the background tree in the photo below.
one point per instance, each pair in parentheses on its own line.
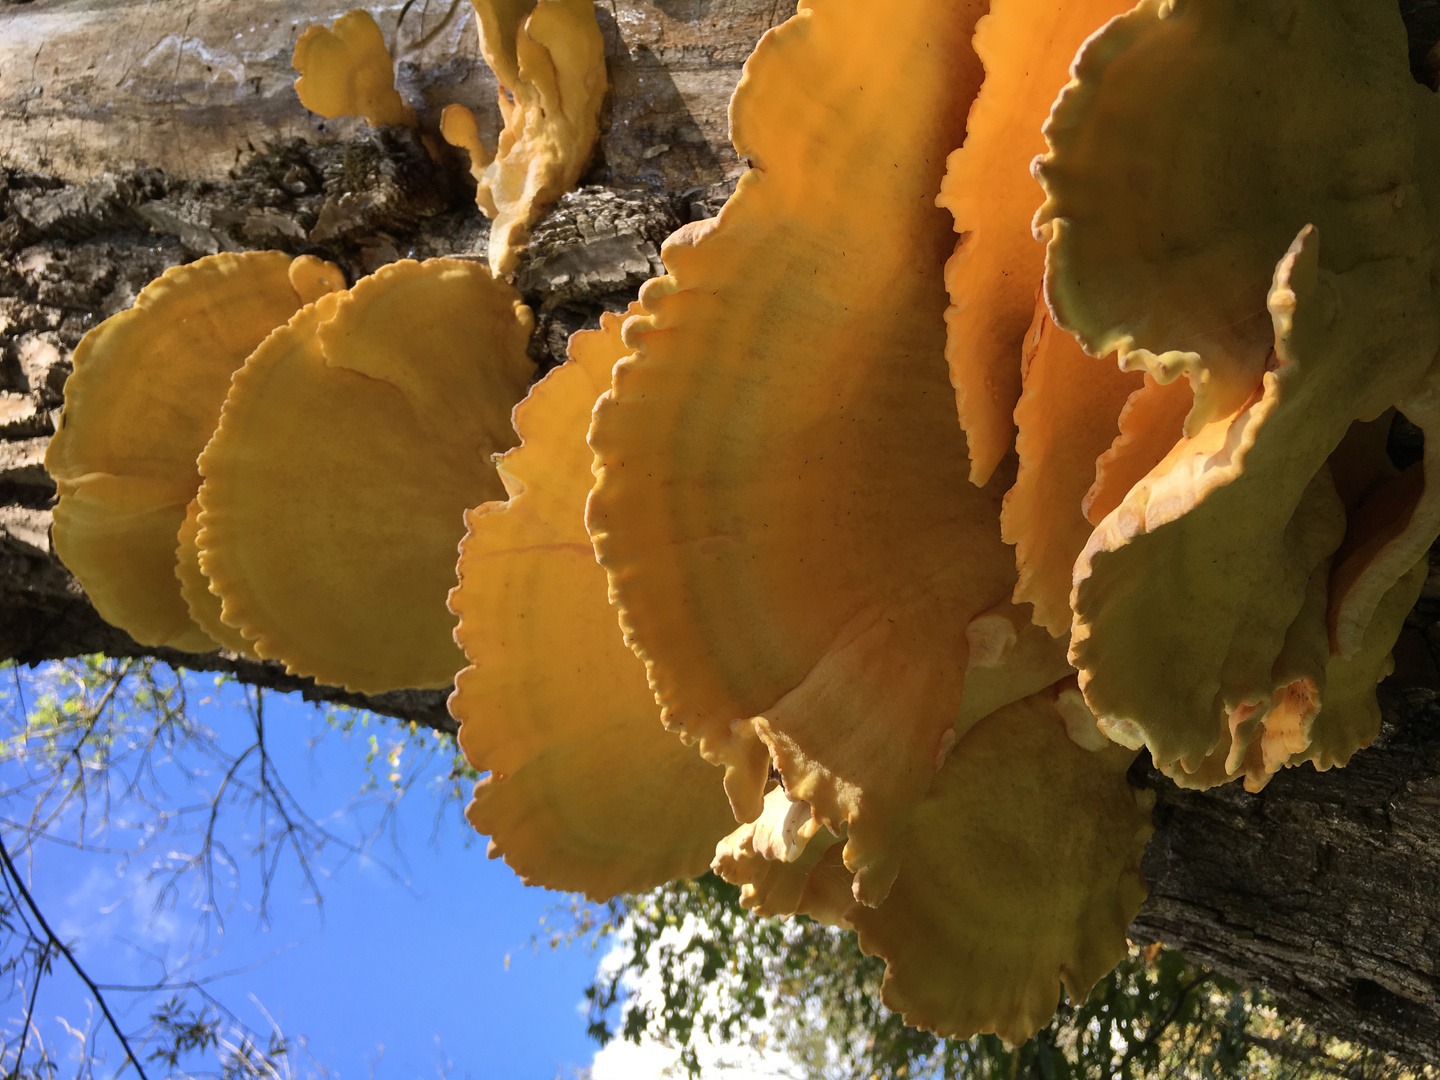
(155,134)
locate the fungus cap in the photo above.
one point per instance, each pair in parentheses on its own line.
(587,790)
(782,500)
(346,70)
(1026,47)
(1020,872)
(1194,141)
(1220,559)
(786,863)
(549,58)
(124,484)
(350,445)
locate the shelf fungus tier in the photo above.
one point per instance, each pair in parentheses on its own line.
(142,402)
(587,790)
(350,446)
(782,499)
(1020,873)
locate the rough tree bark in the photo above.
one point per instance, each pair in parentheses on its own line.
(136,134)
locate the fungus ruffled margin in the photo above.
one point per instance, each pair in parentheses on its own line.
(350,445)
(124,486)
(587,791)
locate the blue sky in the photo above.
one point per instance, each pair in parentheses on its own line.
(425,974)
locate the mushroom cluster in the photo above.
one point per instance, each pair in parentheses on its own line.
(903,661)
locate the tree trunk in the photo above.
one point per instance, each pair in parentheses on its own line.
(128,143)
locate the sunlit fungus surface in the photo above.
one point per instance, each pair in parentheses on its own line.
(349,447)
(855,561)
(124,485)
(345,70)
(549,58)
(587,790)
(1232,582)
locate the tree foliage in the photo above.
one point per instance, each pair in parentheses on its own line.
(693,970)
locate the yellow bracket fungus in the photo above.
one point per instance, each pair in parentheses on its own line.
(203,605)
(1019,872)
(1218,563)
(587,790)
(550,62)
(786,863)
(1194,142)
(347,71)
(1026,47)
(1151,421)
(141,404)
(350,445)
(782,501)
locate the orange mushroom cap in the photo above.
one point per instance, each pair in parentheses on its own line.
(782,500)
(587,790)
(350,445)
(142,402)
(347,71)
(1067,420)
(549,58)
(1026,47)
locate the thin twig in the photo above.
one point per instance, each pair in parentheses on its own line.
(64,951)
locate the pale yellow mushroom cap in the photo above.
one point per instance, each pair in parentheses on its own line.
(141,404)
(1019,873)
(1195,140)
(350,445)
(1201,601)
(782,498)
(346,70)
(587,790)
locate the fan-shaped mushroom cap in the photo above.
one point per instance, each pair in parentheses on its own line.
(1019,871)
(1195,141)
(142,402)
(1067,419)
(1026,46)
(203,605)
(347,71)
(350,445)
(1209,562)
(787,863)
(550,62)
(587,790)
(782,499)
